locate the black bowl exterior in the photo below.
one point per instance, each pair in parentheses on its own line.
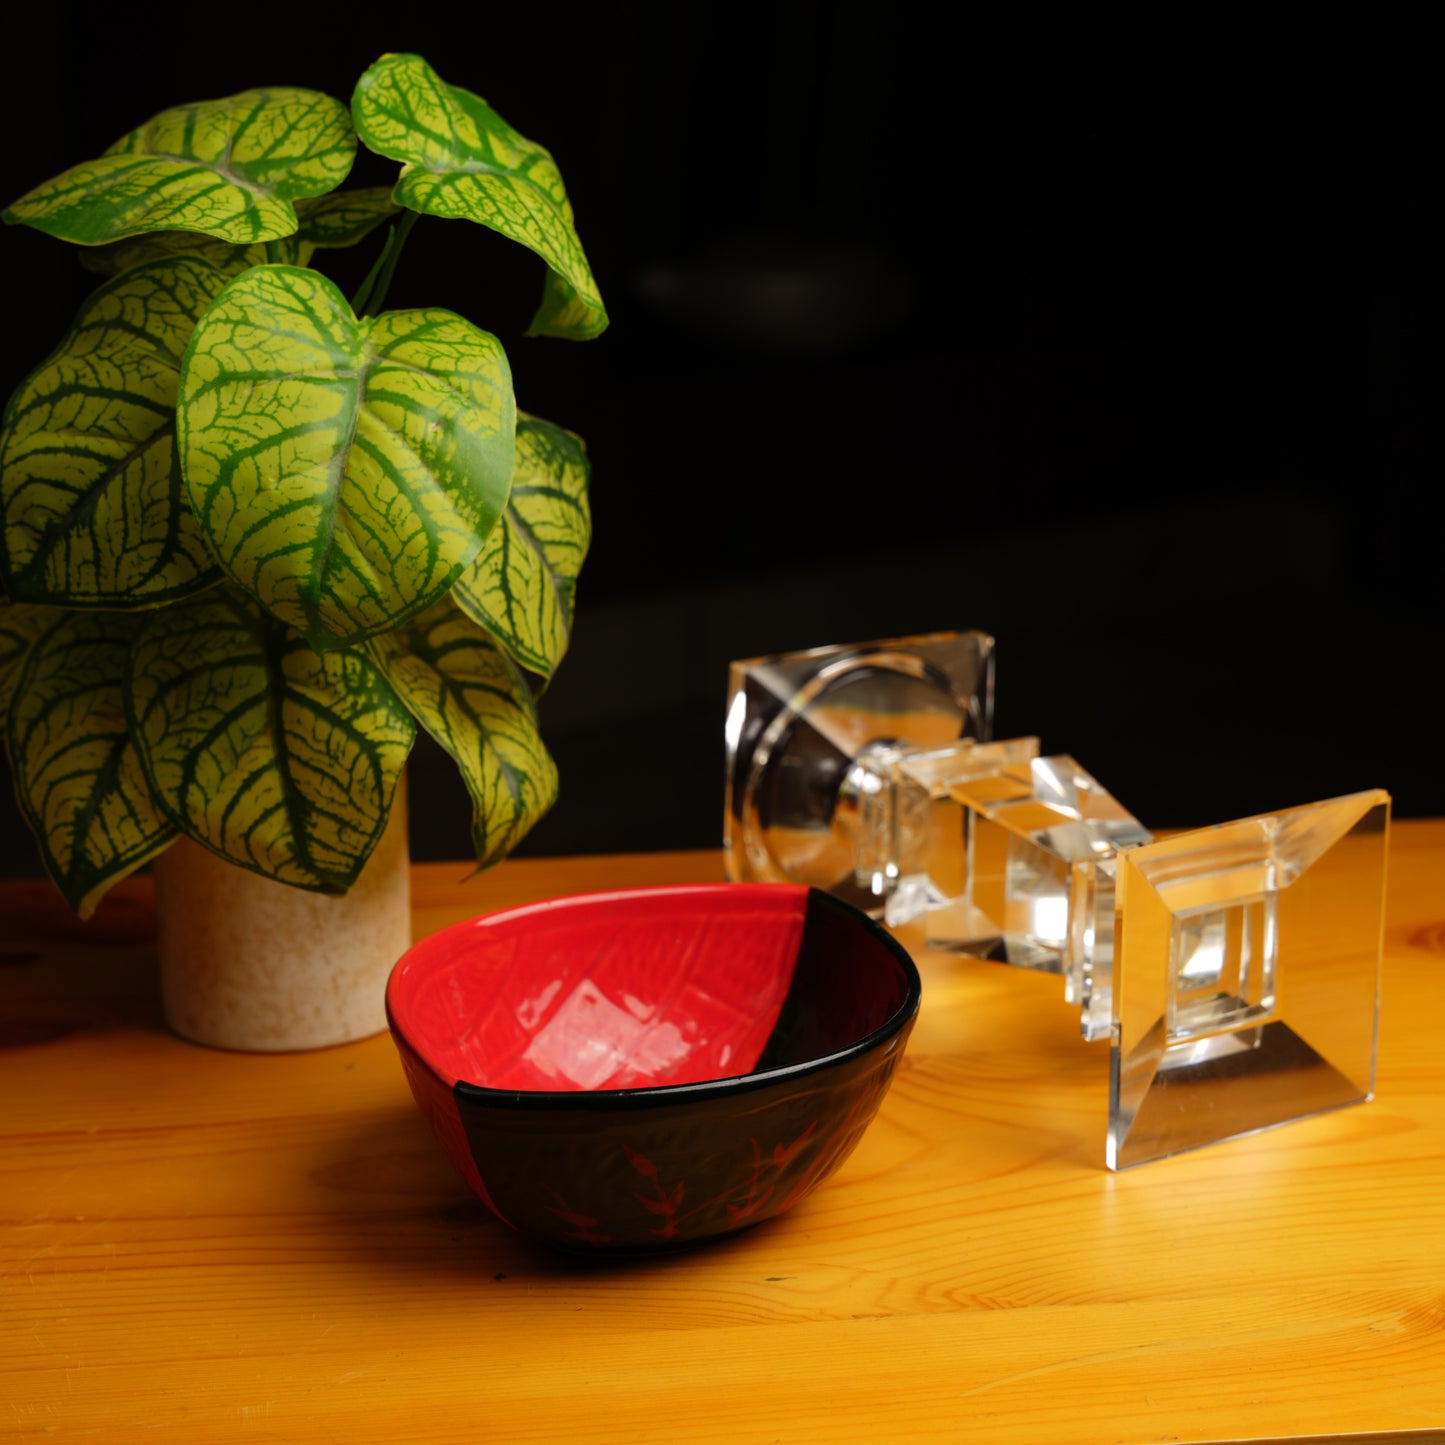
(851,981)
(628,1172)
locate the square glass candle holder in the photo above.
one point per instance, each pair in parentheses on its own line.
(1234,970)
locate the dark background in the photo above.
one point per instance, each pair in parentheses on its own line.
(1109,344)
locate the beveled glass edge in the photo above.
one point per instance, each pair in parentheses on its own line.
(1151,1046)
(738,866)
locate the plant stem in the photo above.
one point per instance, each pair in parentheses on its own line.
(371,294)
(363,292)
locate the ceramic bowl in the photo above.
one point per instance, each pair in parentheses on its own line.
(647,1068)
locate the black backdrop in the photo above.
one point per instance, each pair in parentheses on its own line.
(1104,343)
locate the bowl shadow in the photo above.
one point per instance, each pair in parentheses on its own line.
(401,1207)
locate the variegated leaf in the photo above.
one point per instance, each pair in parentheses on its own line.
(20,625)
(77,774)
(469,696)
(462,160)
(279,758)
(93,504)
(344,471)
(566,312)
(344,217)
(522,584)
(229,168)
(135,251)
(341,218)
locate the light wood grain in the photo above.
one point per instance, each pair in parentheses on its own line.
(206,1246)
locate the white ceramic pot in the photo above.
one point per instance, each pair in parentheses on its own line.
(248,963)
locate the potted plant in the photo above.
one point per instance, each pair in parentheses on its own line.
(255,533)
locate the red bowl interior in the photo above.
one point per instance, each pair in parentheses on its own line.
(635,989)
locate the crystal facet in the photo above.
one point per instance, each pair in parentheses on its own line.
(797,724)
(1246,988)
(1005,854)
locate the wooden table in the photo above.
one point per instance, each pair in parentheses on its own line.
(202,1246)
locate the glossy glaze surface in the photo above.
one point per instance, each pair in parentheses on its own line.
(606,991)
(636,1070)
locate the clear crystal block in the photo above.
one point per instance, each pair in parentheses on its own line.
(1246,976)
(1002,853)
(796,724)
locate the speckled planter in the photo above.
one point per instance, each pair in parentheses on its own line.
(250,964)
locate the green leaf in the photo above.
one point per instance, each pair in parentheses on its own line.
(522,585)
(279,758)
(20,625)
(566,312)
(467,693)
(229,168)
(341,218)
(78,778)
(344,471)
(344,217)
(462,160)
(91,491)
(122,256)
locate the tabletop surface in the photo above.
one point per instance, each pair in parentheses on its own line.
(199,1245)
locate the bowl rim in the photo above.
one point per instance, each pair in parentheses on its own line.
(562,1100)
